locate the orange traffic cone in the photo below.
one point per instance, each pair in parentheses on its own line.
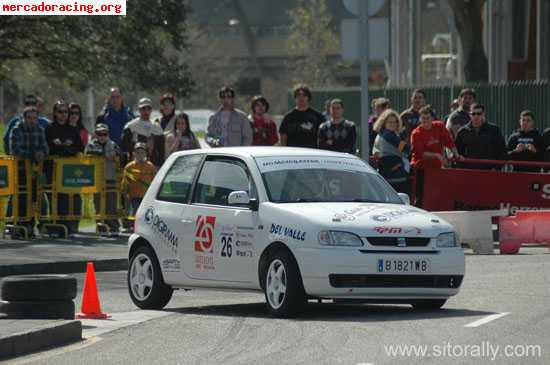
(90,298)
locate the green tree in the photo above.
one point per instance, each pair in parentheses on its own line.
(311,43)
(140,49)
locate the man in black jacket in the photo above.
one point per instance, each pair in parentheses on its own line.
(526,144)
(480,140)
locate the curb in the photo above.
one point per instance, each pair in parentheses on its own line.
(64,267)
(40,338)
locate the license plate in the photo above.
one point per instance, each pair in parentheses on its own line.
(404,266)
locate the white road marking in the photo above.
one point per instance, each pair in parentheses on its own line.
(96,327)
(485,320)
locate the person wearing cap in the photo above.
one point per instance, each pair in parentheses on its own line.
(142,129)
(137,177)
(263,127)
(102,145)
(228,126)
(27,142)
(115,115)
(29,101)
(168,112)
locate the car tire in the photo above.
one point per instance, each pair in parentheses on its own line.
(145,282)
(283,289)
(38,309)
(429,304)
(38,288)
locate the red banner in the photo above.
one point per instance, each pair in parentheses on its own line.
(468,189)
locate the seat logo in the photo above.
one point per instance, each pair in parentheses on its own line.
(401,242)
(204,234)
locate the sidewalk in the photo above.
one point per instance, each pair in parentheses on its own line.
(53,256)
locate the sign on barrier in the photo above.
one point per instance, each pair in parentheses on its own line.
(79,175)
(7,176)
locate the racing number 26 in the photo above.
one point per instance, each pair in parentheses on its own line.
(227,248)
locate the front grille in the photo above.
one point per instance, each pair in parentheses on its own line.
(394,241)
(394,281)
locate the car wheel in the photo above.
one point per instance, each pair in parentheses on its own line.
(429,304)
(145,283)
(284,291)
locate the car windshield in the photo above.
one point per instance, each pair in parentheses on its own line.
(311,183)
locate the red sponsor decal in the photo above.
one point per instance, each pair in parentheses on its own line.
(204,234)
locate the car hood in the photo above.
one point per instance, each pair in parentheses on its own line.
(366,219)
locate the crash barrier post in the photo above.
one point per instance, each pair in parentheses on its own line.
(474,228)
(524,227)
(470,189)
(67,178)
(16,195)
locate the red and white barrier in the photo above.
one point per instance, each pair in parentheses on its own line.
(524,227)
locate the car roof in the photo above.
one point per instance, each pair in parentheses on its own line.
(268,151)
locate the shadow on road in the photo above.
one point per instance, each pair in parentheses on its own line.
(334,312)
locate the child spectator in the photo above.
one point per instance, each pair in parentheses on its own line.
(180,137)
(263,127)
(138,175)
(102,145)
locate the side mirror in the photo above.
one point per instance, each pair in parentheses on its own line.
(241,198)
(405,198)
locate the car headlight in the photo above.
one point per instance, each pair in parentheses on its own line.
(337,238)
(446,240)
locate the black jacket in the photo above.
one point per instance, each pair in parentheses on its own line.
(71,144)
(532,137)
(485,143)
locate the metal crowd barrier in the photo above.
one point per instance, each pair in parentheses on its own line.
(55,192)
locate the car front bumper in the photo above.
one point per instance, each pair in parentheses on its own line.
(353,273)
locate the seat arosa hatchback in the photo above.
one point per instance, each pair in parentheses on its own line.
(294,223)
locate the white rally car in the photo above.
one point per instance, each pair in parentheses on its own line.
(295,223)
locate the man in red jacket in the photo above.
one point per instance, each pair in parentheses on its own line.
(428,141)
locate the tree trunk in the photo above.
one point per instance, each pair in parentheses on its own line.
(469,23)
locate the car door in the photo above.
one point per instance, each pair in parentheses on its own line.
(164,218)
(224,236)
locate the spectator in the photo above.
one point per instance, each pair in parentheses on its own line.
(168,112)
(28,141)
(454,106)
(411,117)
(116,115)
(75,120)
(300,126)
(379,105)
(337,134)
(138,175)
(143,130)
(228,127)
(391,151)
(102,145)
(460,117)
(428,141)
(263,127)
(546,142)
(181,137)
(527,143)
(480,140)
(63,141)
(29,101)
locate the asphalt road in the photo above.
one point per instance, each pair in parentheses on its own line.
(501,315)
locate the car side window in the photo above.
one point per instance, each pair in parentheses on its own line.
(178,180)
(218,178)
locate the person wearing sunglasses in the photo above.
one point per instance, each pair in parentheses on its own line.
(63,141)
(102,145)
(480,139)
(75,120)
(142,129)
(228,127)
